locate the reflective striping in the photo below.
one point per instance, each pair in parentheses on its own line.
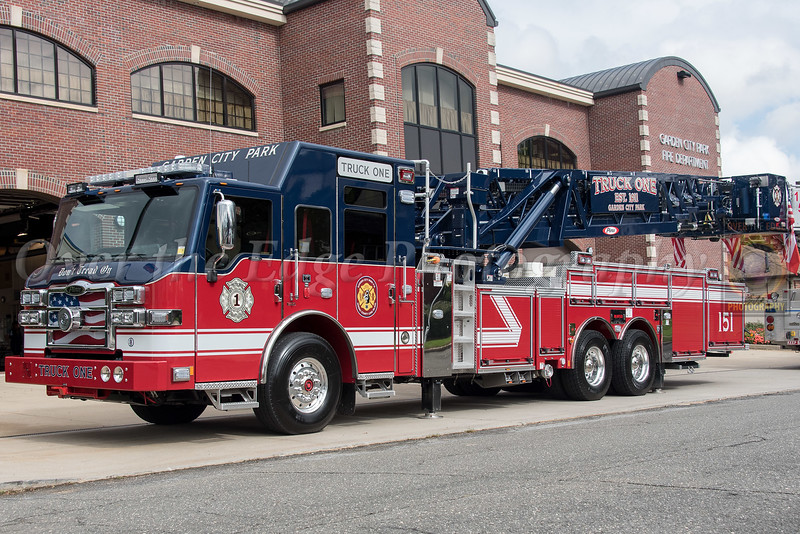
(502,337)
(153,341)
(35,341)
(231,340)
(372,338)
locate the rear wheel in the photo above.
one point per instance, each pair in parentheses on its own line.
(590,377)
(633,364)
(304,383)
(168,414)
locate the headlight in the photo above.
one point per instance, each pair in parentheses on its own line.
(105,373)
(31,318)
(118,374)
(127,295)
(31,297)
(127,317)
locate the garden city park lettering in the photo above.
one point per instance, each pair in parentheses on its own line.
(685,144)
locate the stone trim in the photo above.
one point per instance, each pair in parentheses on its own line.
(26,20)
(167,53)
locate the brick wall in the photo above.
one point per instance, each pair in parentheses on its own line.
(525,115)
(625,132)
(65,144)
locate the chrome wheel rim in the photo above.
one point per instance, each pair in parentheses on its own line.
(640,364)
(594,367)
(308,385)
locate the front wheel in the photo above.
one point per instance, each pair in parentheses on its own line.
(169,414)
(304,383)
(633,364)
(590,377)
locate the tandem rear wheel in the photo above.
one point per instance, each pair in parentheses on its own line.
(590,376)
(633,364)
(304,383)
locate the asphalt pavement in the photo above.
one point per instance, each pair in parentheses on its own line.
(724,466)
(48,441)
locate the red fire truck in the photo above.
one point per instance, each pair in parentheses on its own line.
(287,278)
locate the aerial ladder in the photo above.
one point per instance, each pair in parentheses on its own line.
(498,211)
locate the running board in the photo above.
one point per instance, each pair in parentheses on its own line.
(375,385)
(228,396)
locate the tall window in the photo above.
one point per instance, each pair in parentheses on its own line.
(544,153)
(332,102)
(439,116)
(32,65)
(191,93)
(365,227)
(312,232)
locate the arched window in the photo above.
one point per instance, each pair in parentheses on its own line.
(33,65)
(544,153)
(191,92)
(439,117)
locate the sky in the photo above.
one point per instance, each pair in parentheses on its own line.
(747,50)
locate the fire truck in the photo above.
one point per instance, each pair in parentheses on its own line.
(289,278)
(782,307)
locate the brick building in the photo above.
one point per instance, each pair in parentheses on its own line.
(98,86)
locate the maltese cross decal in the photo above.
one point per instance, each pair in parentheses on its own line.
(236,300)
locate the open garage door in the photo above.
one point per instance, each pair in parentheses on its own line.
(26,223)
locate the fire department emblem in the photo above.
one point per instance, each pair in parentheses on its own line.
(777,195)
(236,300)
(366,296)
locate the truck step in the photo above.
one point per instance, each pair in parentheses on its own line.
(376,385)
(229,396)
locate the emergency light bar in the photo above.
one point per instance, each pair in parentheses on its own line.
(149,173)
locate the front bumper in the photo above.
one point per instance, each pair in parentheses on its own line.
(68,377)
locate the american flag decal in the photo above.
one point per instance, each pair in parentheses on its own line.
(92,330)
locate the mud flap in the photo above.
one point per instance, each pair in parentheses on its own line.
(347,403)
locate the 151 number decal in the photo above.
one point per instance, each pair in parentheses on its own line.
(726,321)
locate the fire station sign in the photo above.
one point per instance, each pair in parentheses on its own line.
(365,170)
(624,194)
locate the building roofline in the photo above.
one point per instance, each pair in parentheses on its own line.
(267,12)
(291,6)
(634,77)
(532,83)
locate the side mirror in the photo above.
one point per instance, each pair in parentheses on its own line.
(226,233)
(226,224)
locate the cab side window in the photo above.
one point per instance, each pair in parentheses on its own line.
(365,227)
(253,233)
(313,232)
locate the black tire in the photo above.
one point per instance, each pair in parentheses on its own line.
(169,414)
(304,384)
(590,377)
(465,387)
(633,364)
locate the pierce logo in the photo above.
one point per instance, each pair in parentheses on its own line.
(611,230)
(366,296)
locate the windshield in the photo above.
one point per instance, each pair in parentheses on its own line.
(129,225)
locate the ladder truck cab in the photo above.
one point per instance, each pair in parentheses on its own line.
(289,278)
